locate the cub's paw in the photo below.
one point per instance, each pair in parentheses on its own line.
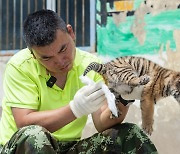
(144,79)
(112,116)
(147,128)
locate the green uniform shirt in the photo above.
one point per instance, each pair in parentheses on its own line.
(25,87)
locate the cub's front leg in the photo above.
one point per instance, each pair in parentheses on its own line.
(147,110)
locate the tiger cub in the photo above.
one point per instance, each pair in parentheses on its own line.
(138,78)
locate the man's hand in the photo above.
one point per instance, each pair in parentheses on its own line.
(87,100)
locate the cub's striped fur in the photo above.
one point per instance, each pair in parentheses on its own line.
(139,78)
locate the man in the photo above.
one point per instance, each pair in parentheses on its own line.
(46,105)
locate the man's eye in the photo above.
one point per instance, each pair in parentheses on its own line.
(64,49)
(45,59)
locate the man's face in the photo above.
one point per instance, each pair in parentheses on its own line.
(58,57)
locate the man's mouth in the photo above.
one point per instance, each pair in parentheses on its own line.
(65,67)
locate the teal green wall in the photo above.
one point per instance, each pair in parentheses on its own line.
(117,41)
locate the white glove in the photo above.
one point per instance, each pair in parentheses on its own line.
(87,100)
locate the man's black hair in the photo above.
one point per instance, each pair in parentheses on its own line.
(40,28)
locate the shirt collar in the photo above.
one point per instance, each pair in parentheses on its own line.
(41,70)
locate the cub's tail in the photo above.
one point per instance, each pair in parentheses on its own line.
(99,68)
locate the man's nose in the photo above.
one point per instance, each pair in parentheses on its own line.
(60,60)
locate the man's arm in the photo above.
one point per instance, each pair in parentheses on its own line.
(55,119)
(102,120)
(52,120)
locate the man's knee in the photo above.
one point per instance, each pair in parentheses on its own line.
(122,127)
(32,132)
(130,137)
(123,131)
(31,138)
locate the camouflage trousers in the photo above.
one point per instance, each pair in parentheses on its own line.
(124,138)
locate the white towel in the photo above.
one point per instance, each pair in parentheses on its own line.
(109,95)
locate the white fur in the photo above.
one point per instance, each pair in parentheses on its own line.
(135,94)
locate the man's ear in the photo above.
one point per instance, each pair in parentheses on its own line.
(70,31)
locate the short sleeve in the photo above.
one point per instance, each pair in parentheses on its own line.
(19,89)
